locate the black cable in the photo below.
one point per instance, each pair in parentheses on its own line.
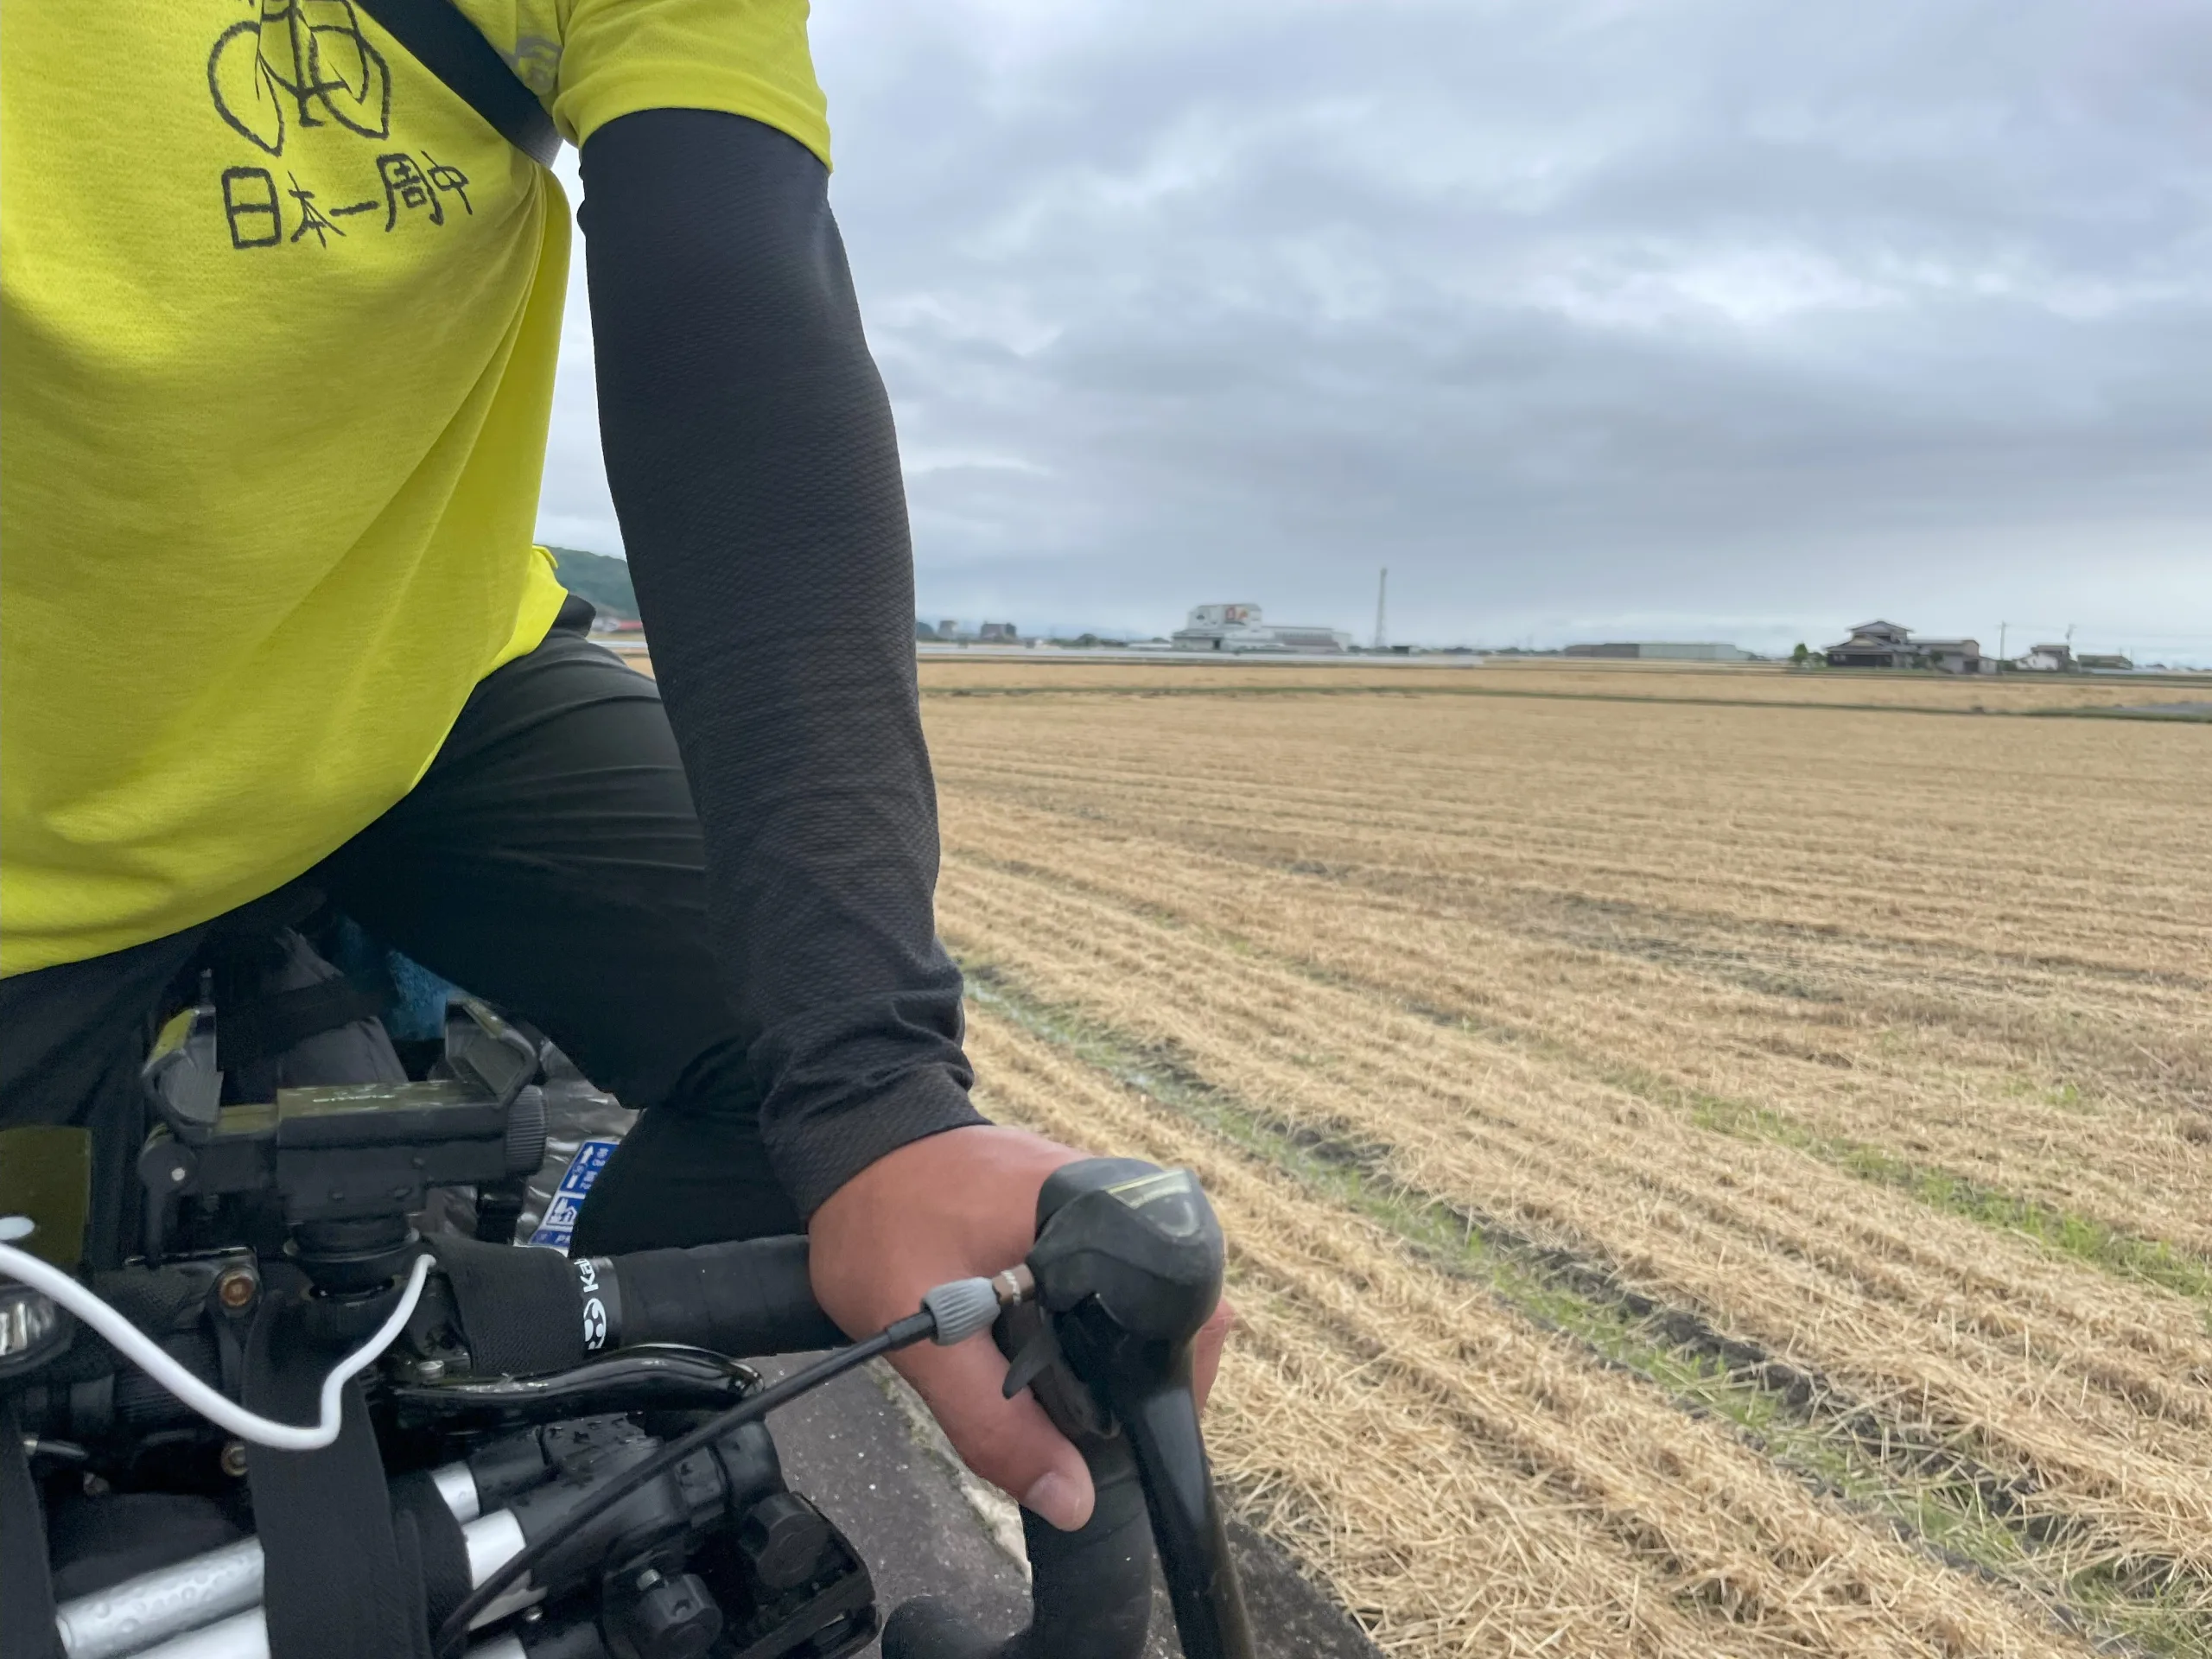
(903,1334)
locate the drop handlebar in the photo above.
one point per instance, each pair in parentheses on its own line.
(1128,1266)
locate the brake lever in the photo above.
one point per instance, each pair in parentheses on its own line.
(1125,1269)
(1128,1263)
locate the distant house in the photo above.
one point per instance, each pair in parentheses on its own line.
(1665,651)
(1874,644)
(2049,659)
(1002,632)
(2108,662)
(1241,628)
(1951,656)
(1890,644)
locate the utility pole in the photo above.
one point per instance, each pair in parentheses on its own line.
(1382,593)
(2001,627)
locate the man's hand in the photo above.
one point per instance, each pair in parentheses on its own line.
(951,1206)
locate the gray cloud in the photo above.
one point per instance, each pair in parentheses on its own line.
(1716,318)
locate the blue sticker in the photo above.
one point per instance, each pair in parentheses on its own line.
(560,1222)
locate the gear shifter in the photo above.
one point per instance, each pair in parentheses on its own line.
(1129,1264)
(1126,1267)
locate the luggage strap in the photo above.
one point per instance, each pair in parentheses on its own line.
(264,1027)
(345,1576)
(27,1626)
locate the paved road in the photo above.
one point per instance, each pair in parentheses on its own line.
(864,1450)
(852,1450)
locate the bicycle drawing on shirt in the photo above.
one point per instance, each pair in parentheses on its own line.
(304,62)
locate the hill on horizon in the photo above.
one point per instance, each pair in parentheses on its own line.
(602,580)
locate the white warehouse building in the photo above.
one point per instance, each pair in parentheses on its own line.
(1240,627)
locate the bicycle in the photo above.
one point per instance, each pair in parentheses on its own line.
(574,1448)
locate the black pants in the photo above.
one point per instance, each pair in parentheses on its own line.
(550,861)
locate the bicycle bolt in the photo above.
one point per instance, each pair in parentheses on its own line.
(237,1288)
(644,1580)
(234,1459)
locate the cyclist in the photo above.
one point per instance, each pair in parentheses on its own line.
(281,318)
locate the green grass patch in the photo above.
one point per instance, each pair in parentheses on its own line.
(2064,1232)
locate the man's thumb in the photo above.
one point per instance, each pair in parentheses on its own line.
(1010,1443)
(1022,1454)
(1060,1499)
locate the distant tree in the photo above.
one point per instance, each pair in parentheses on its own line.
(1800,654)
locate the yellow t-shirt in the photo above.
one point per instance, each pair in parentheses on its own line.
(278,318)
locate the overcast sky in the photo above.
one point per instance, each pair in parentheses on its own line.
(1711,319)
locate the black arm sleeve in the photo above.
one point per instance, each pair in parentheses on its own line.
(750,450)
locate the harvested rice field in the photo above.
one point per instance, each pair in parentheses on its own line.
(1715,1163)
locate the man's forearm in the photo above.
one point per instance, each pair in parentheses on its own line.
(750,450)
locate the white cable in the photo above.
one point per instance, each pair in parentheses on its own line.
(137,1346)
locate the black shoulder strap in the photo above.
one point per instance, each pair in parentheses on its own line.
(445,43)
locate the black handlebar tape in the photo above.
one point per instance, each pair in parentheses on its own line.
(517,1307)
(1091,1590)
(748,1298)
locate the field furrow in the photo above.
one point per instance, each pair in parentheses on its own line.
(2067,925)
